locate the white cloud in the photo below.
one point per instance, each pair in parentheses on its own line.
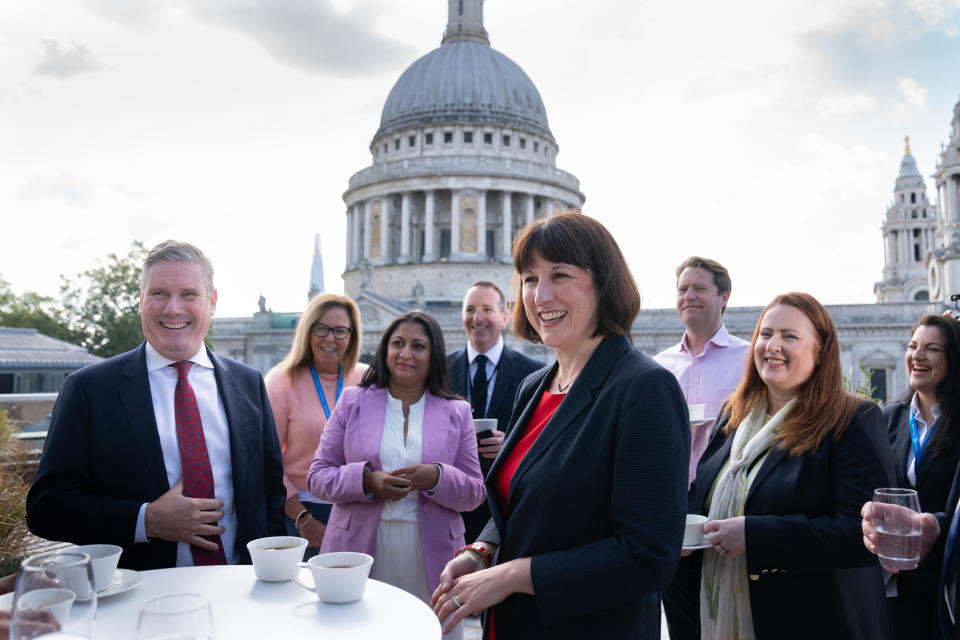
(845,104)
(913,93)
(67,61)
(312,35)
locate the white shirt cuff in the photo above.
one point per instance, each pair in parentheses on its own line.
(140,535)
(439,478)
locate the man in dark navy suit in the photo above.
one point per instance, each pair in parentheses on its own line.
(489,388)
(169,450)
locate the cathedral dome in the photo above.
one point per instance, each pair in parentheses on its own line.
(464,81)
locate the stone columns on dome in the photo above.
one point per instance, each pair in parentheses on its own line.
(405,228)
(953,209)
(349,248)
(481,224)
(384,230)
(428,225)
(507,227)
(454,223)
(530,208)
(355,237)
(366,229)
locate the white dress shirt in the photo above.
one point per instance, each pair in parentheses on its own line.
(163,384)
(396,452)
(922,429)
(493,361)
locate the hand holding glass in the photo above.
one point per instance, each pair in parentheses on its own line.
(54,597)
(897,523)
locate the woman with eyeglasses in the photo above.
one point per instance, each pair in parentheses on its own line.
(303,390)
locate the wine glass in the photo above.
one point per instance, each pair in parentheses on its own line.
(176,616)
(898,527)
(55,597)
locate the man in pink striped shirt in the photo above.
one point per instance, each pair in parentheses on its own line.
(709,362)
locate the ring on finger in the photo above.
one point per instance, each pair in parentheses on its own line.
(456,601)
(721,550)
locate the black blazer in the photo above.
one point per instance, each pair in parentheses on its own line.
(951,565)
(934,478)
(102,459)
(598,503)
(512,368)
(810,575)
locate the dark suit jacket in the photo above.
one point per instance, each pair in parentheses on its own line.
(102,459)
(512,368)
(917,590)
(951,564)
(598,502)
(810,575)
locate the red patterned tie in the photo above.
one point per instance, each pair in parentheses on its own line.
(197,475)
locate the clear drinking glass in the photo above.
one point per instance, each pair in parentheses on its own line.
(176,616)
(55,597)
(896,520)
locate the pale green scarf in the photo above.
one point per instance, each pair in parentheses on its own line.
(724,590)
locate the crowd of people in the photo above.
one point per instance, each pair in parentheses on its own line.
(566,518)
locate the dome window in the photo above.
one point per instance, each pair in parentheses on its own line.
(396,143)
(385,147)
(412,140)
(536,147)
(428,138)
(523,143)
(487,138)
(506,141)
(447,137)
(913,214)
(468,137)
(913,198)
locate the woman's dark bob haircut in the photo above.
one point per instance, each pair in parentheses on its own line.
(573,238)
(438,380)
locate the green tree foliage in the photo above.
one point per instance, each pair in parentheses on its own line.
(102,303)
(33,311)
(97,308)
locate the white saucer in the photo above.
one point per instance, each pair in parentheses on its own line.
(697,547)
(6,601)
(123,580)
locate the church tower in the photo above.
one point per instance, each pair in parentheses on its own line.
(943,262)
(316,270)
(909,228)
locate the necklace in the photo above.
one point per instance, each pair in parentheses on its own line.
(563,388)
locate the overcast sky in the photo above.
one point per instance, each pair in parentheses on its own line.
(764,134)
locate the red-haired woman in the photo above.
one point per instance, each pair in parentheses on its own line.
(792,459)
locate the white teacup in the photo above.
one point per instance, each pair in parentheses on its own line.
(693,530)
(277,558)
(338,577)
(103,559)
(55,600)
(484,424)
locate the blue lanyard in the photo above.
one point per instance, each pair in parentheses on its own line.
(918,447)
(323,399)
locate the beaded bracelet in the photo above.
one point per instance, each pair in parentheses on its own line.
(480,550)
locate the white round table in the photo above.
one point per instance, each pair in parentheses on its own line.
(244,607)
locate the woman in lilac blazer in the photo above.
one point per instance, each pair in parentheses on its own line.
(398,458)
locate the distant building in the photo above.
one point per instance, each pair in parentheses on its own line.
(31,362)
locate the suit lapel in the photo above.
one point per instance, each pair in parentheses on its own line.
(373,411)
(434,445)
(237,413)
(503,383)
(713,459)
(901,446)
(775,457)
(458,371)
(134,390)
(577,400)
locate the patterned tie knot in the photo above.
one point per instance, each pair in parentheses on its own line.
(183,368)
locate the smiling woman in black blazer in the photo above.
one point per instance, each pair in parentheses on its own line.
(792,459)
(933,405)
(588,494)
